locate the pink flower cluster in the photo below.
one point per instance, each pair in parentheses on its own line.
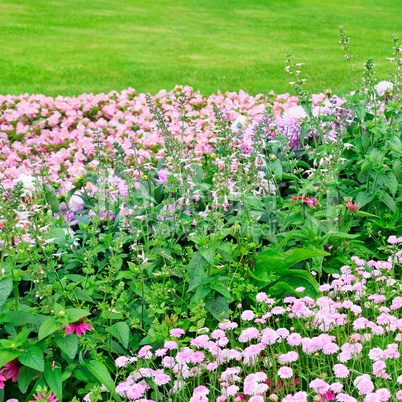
(59,133)
(347,347)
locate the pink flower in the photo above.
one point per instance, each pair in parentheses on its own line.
(319,386)
(285,372)
(80,327)
(121,361)
(341,371)
(177,332)
(197,357)
(170,345)
(12,370)
(336,387)
(294,339)
(256,398)
(49,398)
(247,315)
(309,201)
(383,394)
(161,379)
(328,396)
(399,395)
(248,334)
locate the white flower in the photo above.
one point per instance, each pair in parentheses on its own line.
(383,87)
(241,120)
(28,182)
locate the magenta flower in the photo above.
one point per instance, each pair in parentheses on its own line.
(80,327)
(12,369)
(309,201)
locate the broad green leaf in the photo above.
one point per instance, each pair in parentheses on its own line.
(222,289)
(396,144)
(295,255)
(25,377)
(201,292)
(196,265)
(48,327)
(33,358)
(363,198)
(101,373)
(199,173)
(218,307)
(376,157)
(280,290)
(6,287)
(58,234)
(82,295)
(53,379)
(276,167)
(208,253)
(121,332)
(52,201)
(74,314)
(387,200)
(20,317)
(392,183)
(68,344)
(225,251)
(7,355)
(297,277)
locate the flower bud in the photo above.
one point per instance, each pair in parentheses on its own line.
(62,313)
(273,398)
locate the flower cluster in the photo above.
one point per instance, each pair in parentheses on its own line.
(349,338)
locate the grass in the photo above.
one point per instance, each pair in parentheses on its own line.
(74,46)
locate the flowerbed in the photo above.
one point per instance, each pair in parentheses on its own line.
(184,247)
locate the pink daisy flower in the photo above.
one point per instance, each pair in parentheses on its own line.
(80,327)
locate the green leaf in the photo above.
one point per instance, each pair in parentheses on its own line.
(363,198)
(199,173)
(121,332)
(376,157)
(58,234)
(225,251)
(53,379)
(82,295)
(276,167)
(25,377)
(74,314)
(18,318)
(392,183)
(280,290)
(201,292)
(48,327)
(218,307)
(68,344)
(387,200)
(397,169)
(101,373)
(297,277)
(196,265)
(222,289)
(208,253)
(6,287)
(8,355)
(33,358)
(396,144)
(52,201)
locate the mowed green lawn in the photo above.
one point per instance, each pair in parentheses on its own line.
(73,46)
